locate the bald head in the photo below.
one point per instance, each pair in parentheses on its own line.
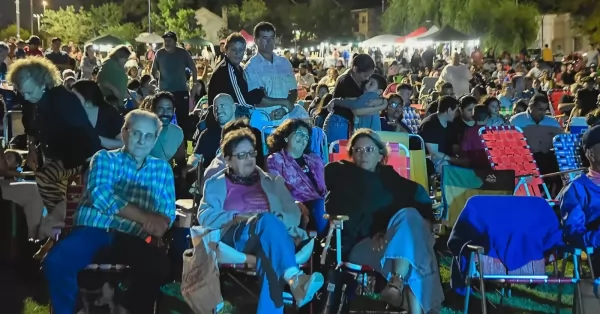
(224,108)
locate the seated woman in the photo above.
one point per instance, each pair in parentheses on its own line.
(302,170)
(390,223)
(105,118)
(256,214)
(580,199)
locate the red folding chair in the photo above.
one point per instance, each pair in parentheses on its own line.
(507,149)
(554,96)
(398,158)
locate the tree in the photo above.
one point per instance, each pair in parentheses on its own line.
(68,23)
(586,15)
(174,17)
(248,14)
(105,16)
(127,31)
(11,31)
(470,16)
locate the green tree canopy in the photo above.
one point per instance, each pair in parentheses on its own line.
(173,16)
(247,15)
(68,23)
(11,31)
(508,25)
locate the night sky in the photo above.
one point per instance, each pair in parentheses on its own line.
(8,15)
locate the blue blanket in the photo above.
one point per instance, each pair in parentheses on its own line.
(514,229)
(580,211)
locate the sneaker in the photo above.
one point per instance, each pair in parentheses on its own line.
(393,293)
(304,287)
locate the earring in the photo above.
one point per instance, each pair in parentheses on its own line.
(286,140)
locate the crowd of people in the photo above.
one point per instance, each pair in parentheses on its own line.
(134,163)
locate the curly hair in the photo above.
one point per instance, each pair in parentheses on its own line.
(41,70)
(368,133)
(156,98)
(276,141)
(146,103)
(234,138)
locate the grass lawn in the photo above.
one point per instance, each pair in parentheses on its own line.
(525,299)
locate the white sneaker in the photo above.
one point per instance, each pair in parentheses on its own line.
(304,287)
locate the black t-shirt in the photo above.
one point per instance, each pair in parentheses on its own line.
(109,122)
(431,107)
(456,131)
(587,99)
(58,58)
(346,87)
(568,78)
(3,70)
(432,132)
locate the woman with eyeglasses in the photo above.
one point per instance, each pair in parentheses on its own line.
(256,214)
(390,225)
(303,171)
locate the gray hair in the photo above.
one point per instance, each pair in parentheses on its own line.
(139,114)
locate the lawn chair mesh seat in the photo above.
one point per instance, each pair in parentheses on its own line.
(567,149)
(480,267)
(507,149)
(412,119)
(554,96)
(416,148)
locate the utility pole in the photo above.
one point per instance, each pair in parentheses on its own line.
(149,21)
(31,15)
(18,19)
(382,6)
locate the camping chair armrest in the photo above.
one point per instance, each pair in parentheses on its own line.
(336,217)
(475,248)
(560,173)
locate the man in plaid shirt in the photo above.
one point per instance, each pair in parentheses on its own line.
(129,196)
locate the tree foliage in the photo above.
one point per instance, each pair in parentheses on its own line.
(11,31)
(586,15)
(246,15)
(502,24)
(173,16)
(68,23)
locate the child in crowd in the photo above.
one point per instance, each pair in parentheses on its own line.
(493,106)
(471,147)
(519,106)
(366,113)
(14,163)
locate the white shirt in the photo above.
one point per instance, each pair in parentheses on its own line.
(459,76)
(305,80)
(276,78)
(592,57)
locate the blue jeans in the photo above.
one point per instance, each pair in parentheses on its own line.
(149,268)
(336,128)
(267,238)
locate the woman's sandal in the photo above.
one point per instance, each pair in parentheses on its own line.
(393,293)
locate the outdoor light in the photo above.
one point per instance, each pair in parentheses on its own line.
(293,50)
(338,44)
(312,48)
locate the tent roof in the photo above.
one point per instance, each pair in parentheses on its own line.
(249,38)
(381,40)
(417,32)
(447,33)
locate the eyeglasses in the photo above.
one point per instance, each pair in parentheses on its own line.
(244,155)
(302,135)
(395,104)
(138,135)
(367,149)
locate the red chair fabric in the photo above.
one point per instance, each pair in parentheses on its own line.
(554,97)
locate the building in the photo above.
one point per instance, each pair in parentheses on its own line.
(211,24)
(367,22)
(558,31)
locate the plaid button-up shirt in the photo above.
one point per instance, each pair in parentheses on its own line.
(114,182)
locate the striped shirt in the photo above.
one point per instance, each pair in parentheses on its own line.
(114,182)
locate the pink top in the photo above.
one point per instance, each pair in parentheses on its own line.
(245,199)
(594,176)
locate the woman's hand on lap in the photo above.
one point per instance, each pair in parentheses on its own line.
(379,241)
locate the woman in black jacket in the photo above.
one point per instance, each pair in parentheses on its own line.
(390,223)
(60,136)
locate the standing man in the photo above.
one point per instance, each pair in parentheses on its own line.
(169,66)
(271,73)
(458,75)
(57,56)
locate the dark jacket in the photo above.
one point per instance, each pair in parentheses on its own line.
(61,127)
(370,199)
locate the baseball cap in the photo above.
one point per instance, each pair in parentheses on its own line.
(171,35)
(591,137)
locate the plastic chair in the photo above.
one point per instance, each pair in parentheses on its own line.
(567,151)
(399,157)
(507,149)
(412,119)
(554,96)
(483,268)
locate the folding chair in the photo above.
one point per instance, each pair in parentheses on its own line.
(507,149)
(416,148)
(412,119)
(399,157)
(554,96)
(469,243)
(13,125)
(567,150)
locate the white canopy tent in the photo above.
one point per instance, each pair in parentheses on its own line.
(434,29)
(149,38)
(380,40)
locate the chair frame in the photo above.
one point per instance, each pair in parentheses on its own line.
(568,174)
(7,120)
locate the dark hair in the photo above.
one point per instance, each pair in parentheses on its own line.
(95,70)
(134,84)
(276,141)
(479,89)
(18,157)
(447,102)
(395,95)
(488,101)
(323,103)
(145,79)
(404,86)
(237,124)
(158,96)
(380,79)
(263,27)
(446,85)
(234,38)
(319,86)
(480,113)
(234,138)
(466,101)
(538,99)
(363,63)
(520,103)
(90,91)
